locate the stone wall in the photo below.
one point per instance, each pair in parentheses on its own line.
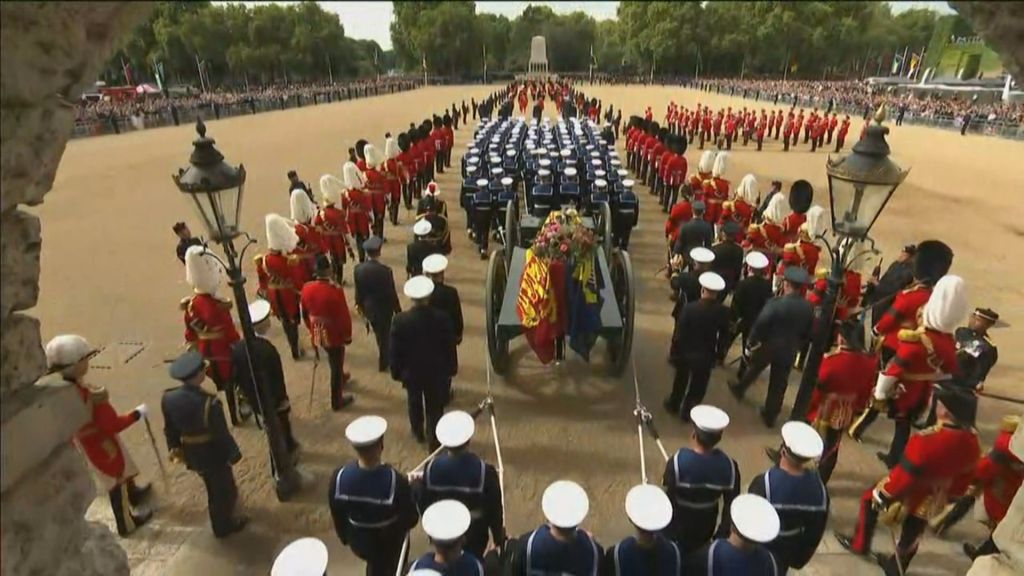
(49,52)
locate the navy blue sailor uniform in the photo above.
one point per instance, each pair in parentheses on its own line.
(629,558)
(466,478)
(465,565)
(543,196)
(695,483)
(721,558)
(482,211)
(625,217)
(802,503)
(372,510)
(539,553)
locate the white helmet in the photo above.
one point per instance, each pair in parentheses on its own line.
(302,207)
(372,156)
(353,177)
(390,149)
(747,189)
(280,234)
(778,209)
(707,162)
(202,272)
(721,164)
(947,306)
(330,189)
(815,224)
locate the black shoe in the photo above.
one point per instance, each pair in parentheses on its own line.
(769,421)
(735,389)
(888,564)
(346,400)
(847,543)
(236,526)
(137,494)
(883,458)
(970,550)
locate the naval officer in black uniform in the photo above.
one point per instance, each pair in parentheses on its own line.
(976,354)
(376,297)
(749,297)
(700,338)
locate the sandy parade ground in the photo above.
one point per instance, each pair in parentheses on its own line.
(109,273)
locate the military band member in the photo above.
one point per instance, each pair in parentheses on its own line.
(938,464)
(266,362)
(459,474)
(445,524)
(423,358)
(302,557)
(99,438)
(649,553)
(755,523)
(281,274)
(780,330)
(198,436)
(697,478)
(559,546)
(976,354)
(376,297)
(798,495)
(327,318)
(371,502)
(700,339)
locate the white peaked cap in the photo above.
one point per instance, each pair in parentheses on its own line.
(702,254)
(648,507)
(454,429)
(353,177)
(259,310)
(755,518)
(418,287)
(815,221)
(366,430)
(331,188)
(601,183)
(422,227)
(707,161)
(756,260)
(947,306)
(302,208)
(507,181)
(435,263)
(802,440)
(544,172)
(372,156)
(390,149)
(712,281)
(66,350)
(615,162)
(623,172)
(303,557)
(565,504)
(709,418)
(446,521)
(721,164)
(425,572)
(202,272)
(281,233)
(545,162)
(778,208)
(628,183)
(482,182)
(748,188)
(570,171)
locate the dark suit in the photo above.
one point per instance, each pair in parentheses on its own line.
(701,337)
(728,264)
(750,296)
(267,363)
(898,276)
(694,233)
(415,253)
(377,298)
(423,359)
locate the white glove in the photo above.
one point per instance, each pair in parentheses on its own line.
(885,387)
(143,410)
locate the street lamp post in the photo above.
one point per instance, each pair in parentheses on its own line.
(215,189)
(860,184)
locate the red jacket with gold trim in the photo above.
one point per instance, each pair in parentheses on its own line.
(937,465)
(211,329)
(326,314)
(902,313)
(98,437)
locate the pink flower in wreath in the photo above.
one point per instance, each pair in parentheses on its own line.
(564,247)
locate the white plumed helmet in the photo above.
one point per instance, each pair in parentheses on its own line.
(373,157)
(748,188)
(778,209)
(281,234)
(707,161)
(353,177)
(721,164)
(331,188)
(202,272)
(390,149)
(302,208)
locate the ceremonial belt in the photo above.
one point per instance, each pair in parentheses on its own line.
(280,285)
(194,439)
(209,334)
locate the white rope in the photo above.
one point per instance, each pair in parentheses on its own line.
(638,412)
(489,401)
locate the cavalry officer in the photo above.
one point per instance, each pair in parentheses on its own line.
(780,330)
(459,474)
(559,546)
(697,478)
(445,523)
(376,297)
(423,358)
(330,327)
(99,438)
(799,496)
(371,503)
(198,436)
(701,338)
(445,298)
(749,297)
(755,523)
(281,275)
(302,557)
(938,463)
(649,553)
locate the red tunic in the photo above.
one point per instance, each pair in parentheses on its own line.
(326,314)
(98,437)
(849,296)
(311,243)
(449,138)
(681,213)
(999,475)
(902,314)
(845,381)
(922,355)
(765,237)
(333,226)
(738,210)
(357,205)
(675,170)
(804,254)
(281,277)
(393,179)
(210,328)
(791,225)
(937,464)
(376,189)
(663,163)
(716,191)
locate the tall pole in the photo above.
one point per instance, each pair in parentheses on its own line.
(199,69)
(330,69)
(785,67)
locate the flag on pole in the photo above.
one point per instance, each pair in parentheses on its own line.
(424,63)
(126,68)
(897,63)
(593,59)
(915,61)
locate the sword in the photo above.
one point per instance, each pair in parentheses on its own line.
(156,451)
(312,379)
(1009,399)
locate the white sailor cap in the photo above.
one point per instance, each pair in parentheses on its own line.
(709,418)
(702,255)
(544,172)
(496,139)
(648,507)
(711,281)
(754,518)
(418,287)
(802,440)
(615,162)
(435,264)
(613,153)
(473,160)
(530,145)
(565,153)
(422,227)
(507,181)
(366,430)
(570,172)
(595,162)
(595,153)
(537,151)
(601,183)
(600,173)
(497,171)
(545,162)
(446,521)
(454,429)
(259,310)
(628,183)
(471,169)
(565,504)
(494,159)
(302,557)
(425,572)
(601,141)
(756,260)
(470,144)
(590,147)
(510,153)
(473,149)
(482,182)
(623,172)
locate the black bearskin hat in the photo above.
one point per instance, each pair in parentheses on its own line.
(403,142)
(932,261)
(801,195)
(447,120)
(360,146)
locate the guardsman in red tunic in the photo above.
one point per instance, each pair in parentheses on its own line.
(311,243)
(845,379)
(741,207)
(98,438)
(748,130)
(716,189)
(394,177)
(804,252)
(844,129)
(326,314)
(407,167)
(925,355)
(705,126)
(938,464)
(437,140)
(209,327)
(449,139)
(762,127)
(832,123)
(281,275)
(704,167)
(771,124)
(812,120)
(787,131)
(730,131)
(675,171)
(356,204)
(375,187)
(332,224)
(797,125)
(766,236)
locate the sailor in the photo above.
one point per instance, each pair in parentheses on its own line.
(302,557)
(697,478)
(459,474)
(686,284)
(780,330)
(327,318)
(483,210)
(559,546)
(743,552)
(419,248)
(798,494)
(371,503)
(626,215)
(749,297)
(700,339)
(444,297)
(569,191)
(445,523)
(99,438)
(198,436)
(376,297)
(649,553)
(281,275)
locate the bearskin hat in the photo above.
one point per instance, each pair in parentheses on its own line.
(932,261)
(801,195)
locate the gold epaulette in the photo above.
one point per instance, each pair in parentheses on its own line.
(728,205)
(821,273)
(931,430)
(789,247)
(223,302)
(753,228)
(1009,424)
(185,302)
(910,335)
